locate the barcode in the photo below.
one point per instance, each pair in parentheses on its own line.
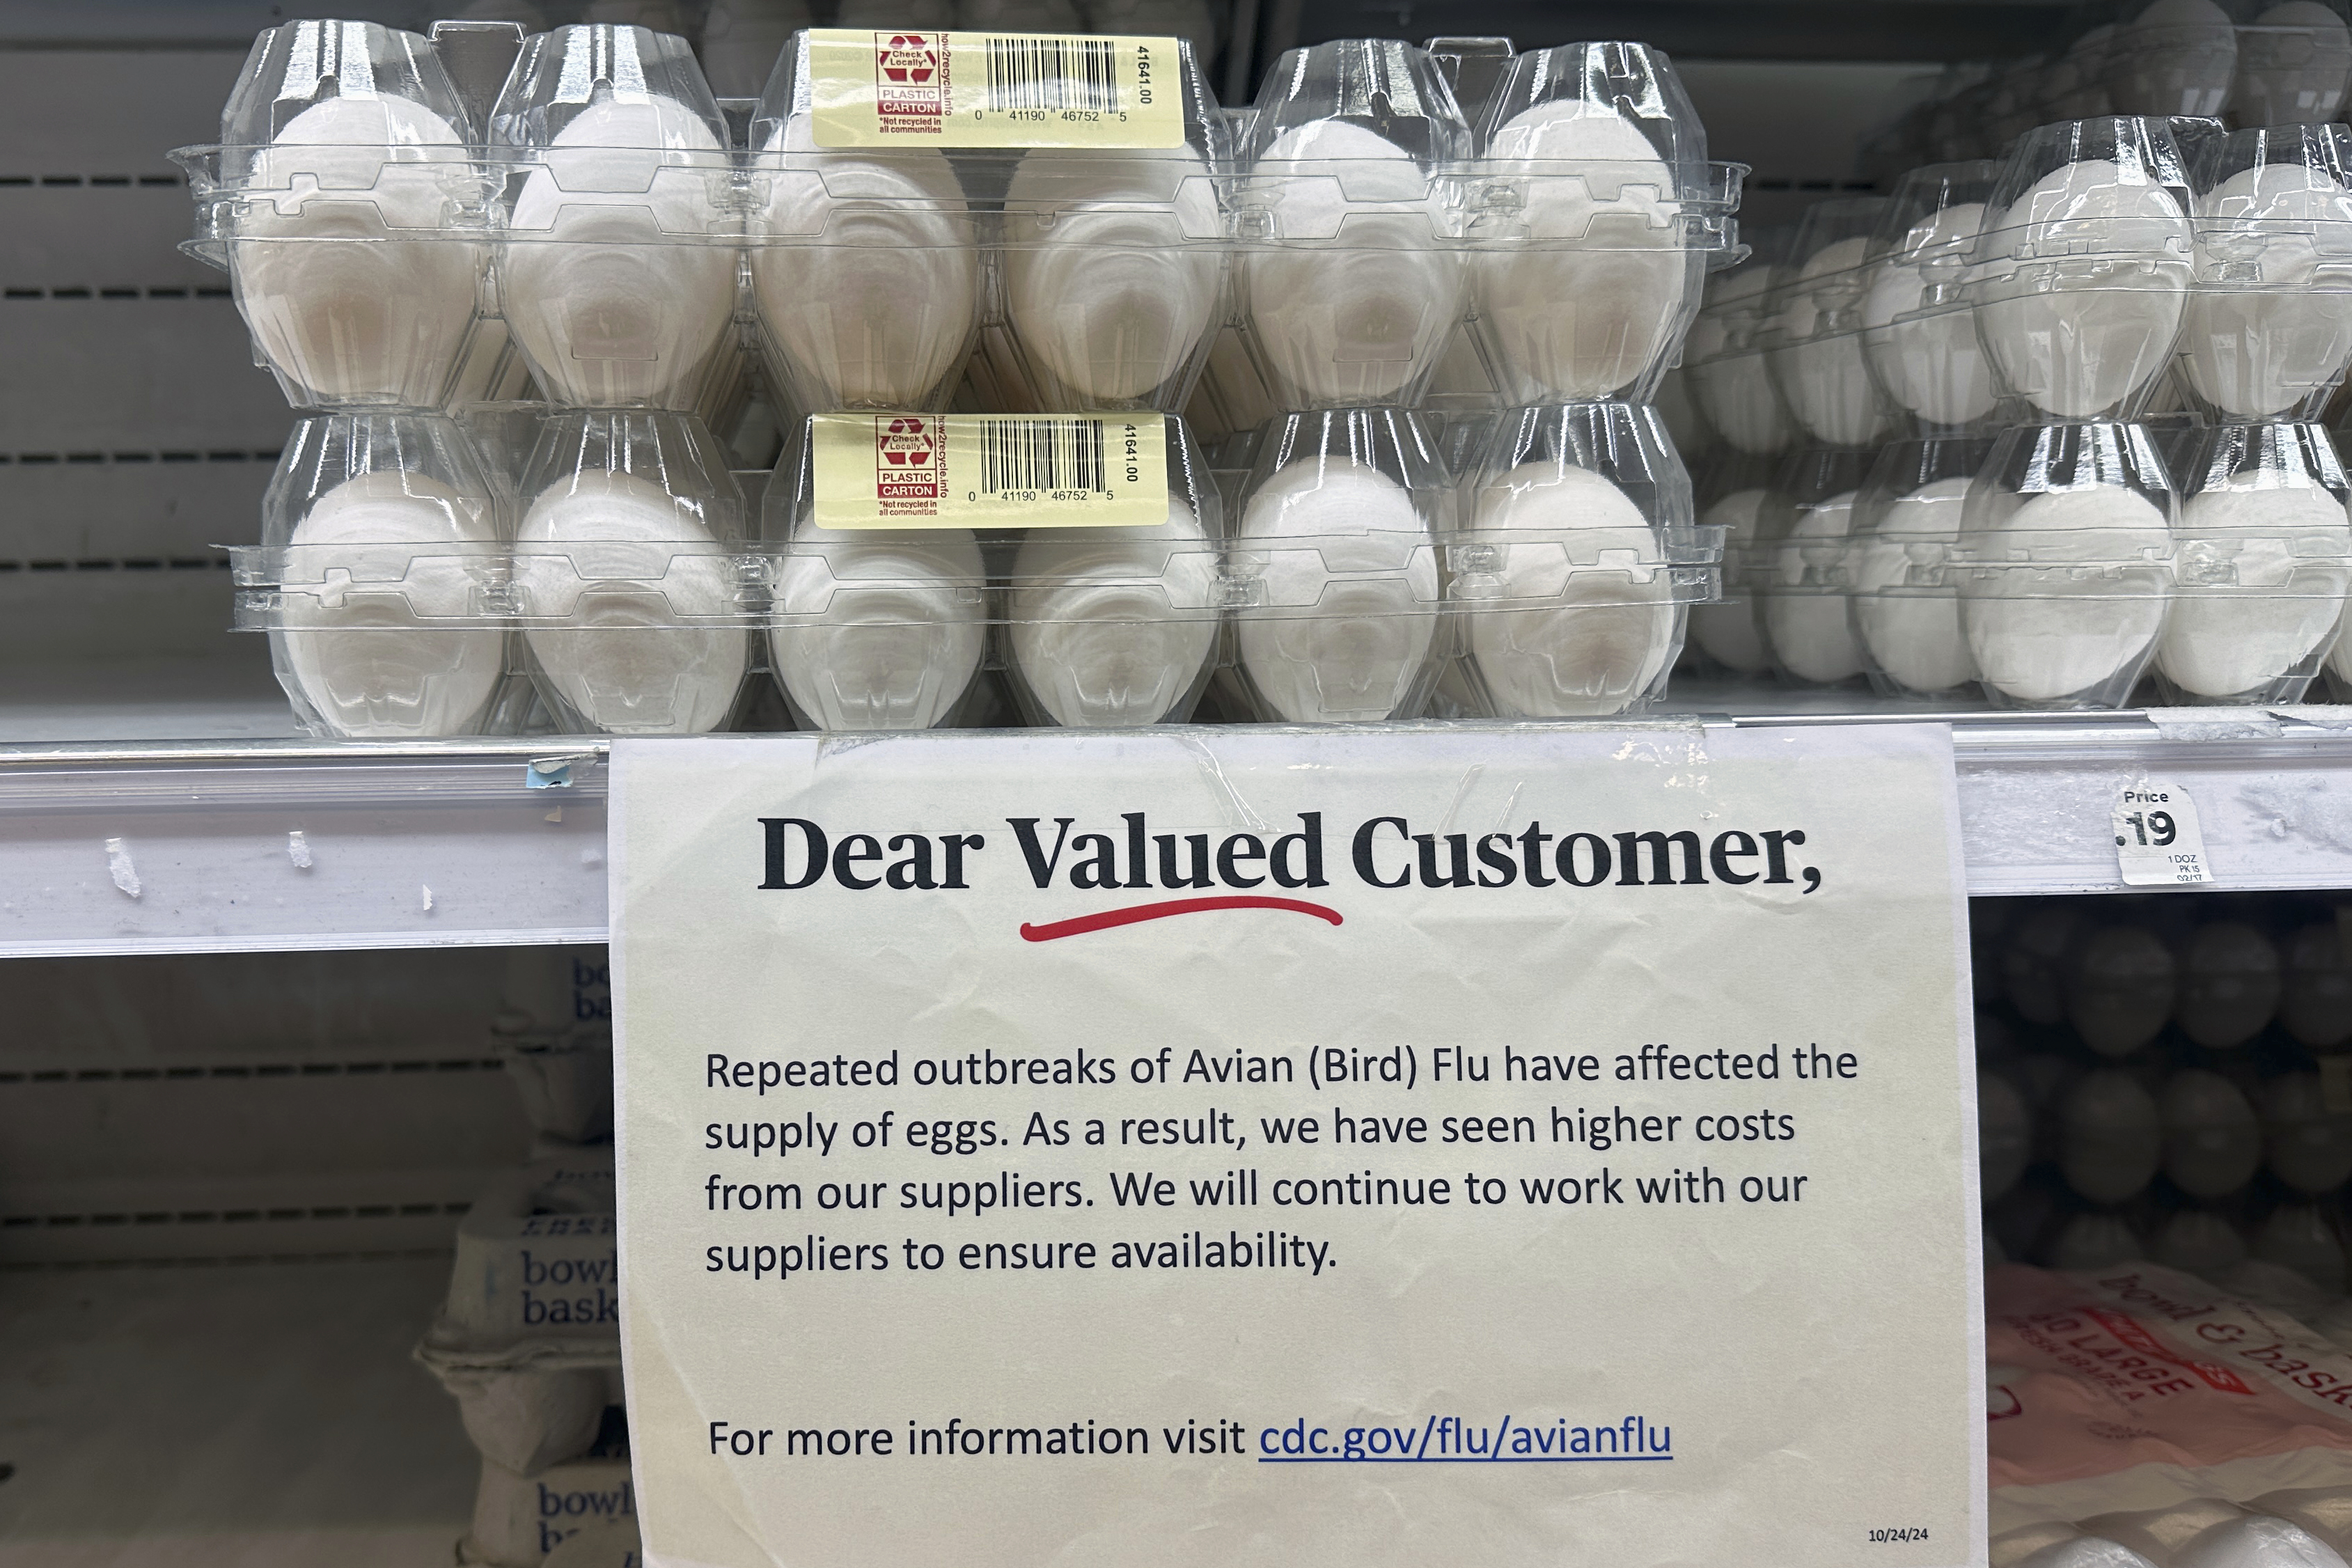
(1041,455)
(1053,74)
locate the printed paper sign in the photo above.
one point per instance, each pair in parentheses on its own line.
(924,88)
(989,471)
(1497,1145)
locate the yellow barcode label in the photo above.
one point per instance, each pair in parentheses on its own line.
(989,471)
(915,88)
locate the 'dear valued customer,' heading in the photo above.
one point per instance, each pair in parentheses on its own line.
(1380,852)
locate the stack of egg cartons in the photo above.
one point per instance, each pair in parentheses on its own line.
(2263,557)
(350,204)
(1731,383)
(617,262)
(2083,560)
(1057,540)
(1814,349)
(1571,226)
(527,1340)
(1919,335)
(2174,1088)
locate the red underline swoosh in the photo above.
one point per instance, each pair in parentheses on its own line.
(1081,924)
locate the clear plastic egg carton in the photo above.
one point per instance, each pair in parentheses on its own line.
(620,217)
(887,608)
(1087,254)
(2262,62)
(1797,566)
(1594,218)
(2079,276)
(348,202)
(1735,493)
(1552,583)
(2261,566)
(1813,328)
(2083,561)
(1906,523)
(2294,58)
(2064,564)
(528,1340)
(381,580)
(1571,222)
(1574,559)
(403,589)
(1724,354)
(1919,325)
(2267,332)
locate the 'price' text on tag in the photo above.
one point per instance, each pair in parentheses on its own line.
(2158,841)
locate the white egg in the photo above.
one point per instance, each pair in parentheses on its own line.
(2083,297)
(867,275)
(2031,961)
(1110,625)
(391,553)
(2326,1511)
(2119,989)
(2198,1241)
(2253,1541)
(2290,551)
(611,277)
(880,630)
(2038,637)
(1582,623)
(2315,996)
(2110,1137)
(2230,984)
(349,290)
(2292,64)
(1108,283)
(622,563)
(1810,627)
(2160,1533)
(2004,1135)
(1728,631)
(1733,384)
(2212,1143)
(1932,364)
(2298,1236)
(2084,1552)
(2093,1241)
(2176,56)
(1914,633)
(1584,299)
(2261,331)
(1350,604)
(1361,289)
(1824,374)
(2306,1145)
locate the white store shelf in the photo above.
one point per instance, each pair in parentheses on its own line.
(191,848)
(448,844)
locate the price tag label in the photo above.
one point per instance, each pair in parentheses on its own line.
(2158,841)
